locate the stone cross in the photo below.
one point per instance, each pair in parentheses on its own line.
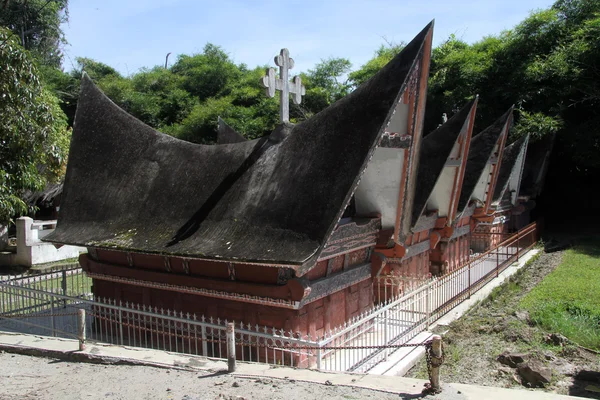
(271,83)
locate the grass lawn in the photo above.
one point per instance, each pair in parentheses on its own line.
(567,301)
(13,299)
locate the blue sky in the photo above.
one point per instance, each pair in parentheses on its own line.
(132,34)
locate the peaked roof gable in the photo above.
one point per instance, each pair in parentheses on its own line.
(536,165)
(436,151)
(480,155)
(511,170)
(273,200)
(227,135)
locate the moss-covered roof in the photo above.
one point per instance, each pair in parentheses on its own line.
(273,200)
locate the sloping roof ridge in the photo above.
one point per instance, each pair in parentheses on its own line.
(481,148)
(274,200)
(435,151)
(509,163)
(226,134)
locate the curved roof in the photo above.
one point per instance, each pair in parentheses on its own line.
(435,150)
(273,200)
(536,165)
(480,152)
(227,135)
(510,165)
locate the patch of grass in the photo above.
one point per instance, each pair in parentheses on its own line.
(50,265)
(567,301)
(503,294)
(15,300)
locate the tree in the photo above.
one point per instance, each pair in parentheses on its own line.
(37,24)
(382,56)
(325,84)
(33,129)
(209,74)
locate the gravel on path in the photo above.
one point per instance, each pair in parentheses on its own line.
(27,377)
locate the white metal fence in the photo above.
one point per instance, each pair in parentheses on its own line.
(47,304)
(365,341)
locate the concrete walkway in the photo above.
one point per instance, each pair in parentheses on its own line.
(67,349)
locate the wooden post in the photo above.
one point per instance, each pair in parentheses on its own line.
(81,328)
(436,360)
(230,348)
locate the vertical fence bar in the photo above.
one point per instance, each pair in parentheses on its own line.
(121,322)
(319,356)
(518,237)
(497,260)
(469,277)
(204,343)
(427,306)
(64,287)
(52,327)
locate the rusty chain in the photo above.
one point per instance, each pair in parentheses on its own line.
(432,361)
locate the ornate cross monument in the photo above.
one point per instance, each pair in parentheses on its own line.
(285,63)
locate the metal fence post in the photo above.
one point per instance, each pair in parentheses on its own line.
(52,317)
(385,333)
(497,260)
(81,328)
(518,237)
(230,348)
(121,322)
(469,269)
(319,354)
(427,305)
(204,343)
(64,287)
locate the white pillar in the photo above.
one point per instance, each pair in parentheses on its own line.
(24,241)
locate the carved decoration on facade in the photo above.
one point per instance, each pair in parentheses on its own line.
(199,291)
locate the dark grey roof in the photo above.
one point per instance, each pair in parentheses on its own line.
(508,167)
(228,135)
(480,151)
(46,197)
(435,150)
(273,200)
(536,165)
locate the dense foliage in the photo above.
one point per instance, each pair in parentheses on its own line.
(547,66)
(37,24)
(33,129)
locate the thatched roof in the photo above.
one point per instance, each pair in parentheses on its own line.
(227,135)
(44,198)
(480,152)
(536,165)
(435,151)
(273,200)
(510,167)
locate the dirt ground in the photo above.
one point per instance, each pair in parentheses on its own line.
(495,325)
(27,377)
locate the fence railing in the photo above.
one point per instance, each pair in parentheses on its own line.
(361,344)
(48,304)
